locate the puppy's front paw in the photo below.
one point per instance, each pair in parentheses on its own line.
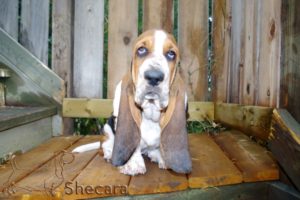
(134,166)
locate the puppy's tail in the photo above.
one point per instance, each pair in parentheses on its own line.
(87,147)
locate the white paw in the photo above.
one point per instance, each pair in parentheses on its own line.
(135,165)
(133,169)
(155,156)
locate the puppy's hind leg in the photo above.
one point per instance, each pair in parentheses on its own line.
(108,144)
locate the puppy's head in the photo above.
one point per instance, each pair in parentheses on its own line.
(155,57)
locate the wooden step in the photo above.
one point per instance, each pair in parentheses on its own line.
(15,116)
(213,166)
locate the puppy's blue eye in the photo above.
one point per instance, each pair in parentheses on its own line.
(170,55)
(142,51)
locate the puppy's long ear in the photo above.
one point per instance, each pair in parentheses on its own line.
(127,136)
(174,143)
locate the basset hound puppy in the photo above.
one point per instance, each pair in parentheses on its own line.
(149,110)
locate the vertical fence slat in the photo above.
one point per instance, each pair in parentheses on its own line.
(62,27)
(193,43)
(221,49)
(237,51)
(88,48)
(290,77)
(248,85)
(158,15)
(35,27)
(123,30)
(269,60)
(9,17)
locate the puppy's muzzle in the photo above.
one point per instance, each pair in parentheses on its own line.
(154,77)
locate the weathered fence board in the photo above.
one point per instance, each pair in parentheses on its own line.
(249,69)
(9,17)
(34,28)
(221,49)
(158,14)
(269,61)
(62,27)
(123,30)
(290,77)
(193,43)
(88,48)
(237,51)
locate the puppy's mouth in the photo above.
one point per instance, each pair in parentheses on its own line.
(151,96)
(152,93)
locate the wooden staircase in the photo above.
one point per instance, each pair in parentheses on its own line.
(33,95)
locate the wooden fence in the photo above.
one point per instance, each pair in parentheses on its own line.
(249,55)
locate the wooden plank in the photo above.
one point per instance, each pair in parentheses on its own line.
(285,140)
(34,28)
(237,51)
(158,15)
(40,85)
(88,108)
(279,191)
(269,57)
(15,116)
(88,48)
(123,30)
(101,179)
(210,165)
(25,137)
(62,26)
(193,43)
(249,69)
(56,172)
(290,73)
(94,108)
(157,181)
(221,48)
(24,164)
(252,120)
(251,159)
(9,17)
(200,111)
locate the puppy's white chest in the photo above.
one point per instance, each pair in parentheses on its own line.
(150,129)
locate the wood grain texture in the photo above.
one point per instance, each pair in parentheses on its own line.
(193,43)
(62,49)
(237,51)
(88,48)
(122,32)
(158,15)
(56,172)
(200,111)
(290,73)
(157,181)
(40,85)
(9,17)
(269,57)
(102,174)
(87,108)
(15,116)
(285,144)
(221,48)
(252,120)
(251,159)
(34,28)
(210,166)
(24,164)
(94,108)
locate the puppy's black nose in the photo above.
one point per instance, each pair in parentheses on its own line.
(154,77)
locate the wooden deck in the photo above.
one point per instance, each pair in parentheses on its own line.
(51,171)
